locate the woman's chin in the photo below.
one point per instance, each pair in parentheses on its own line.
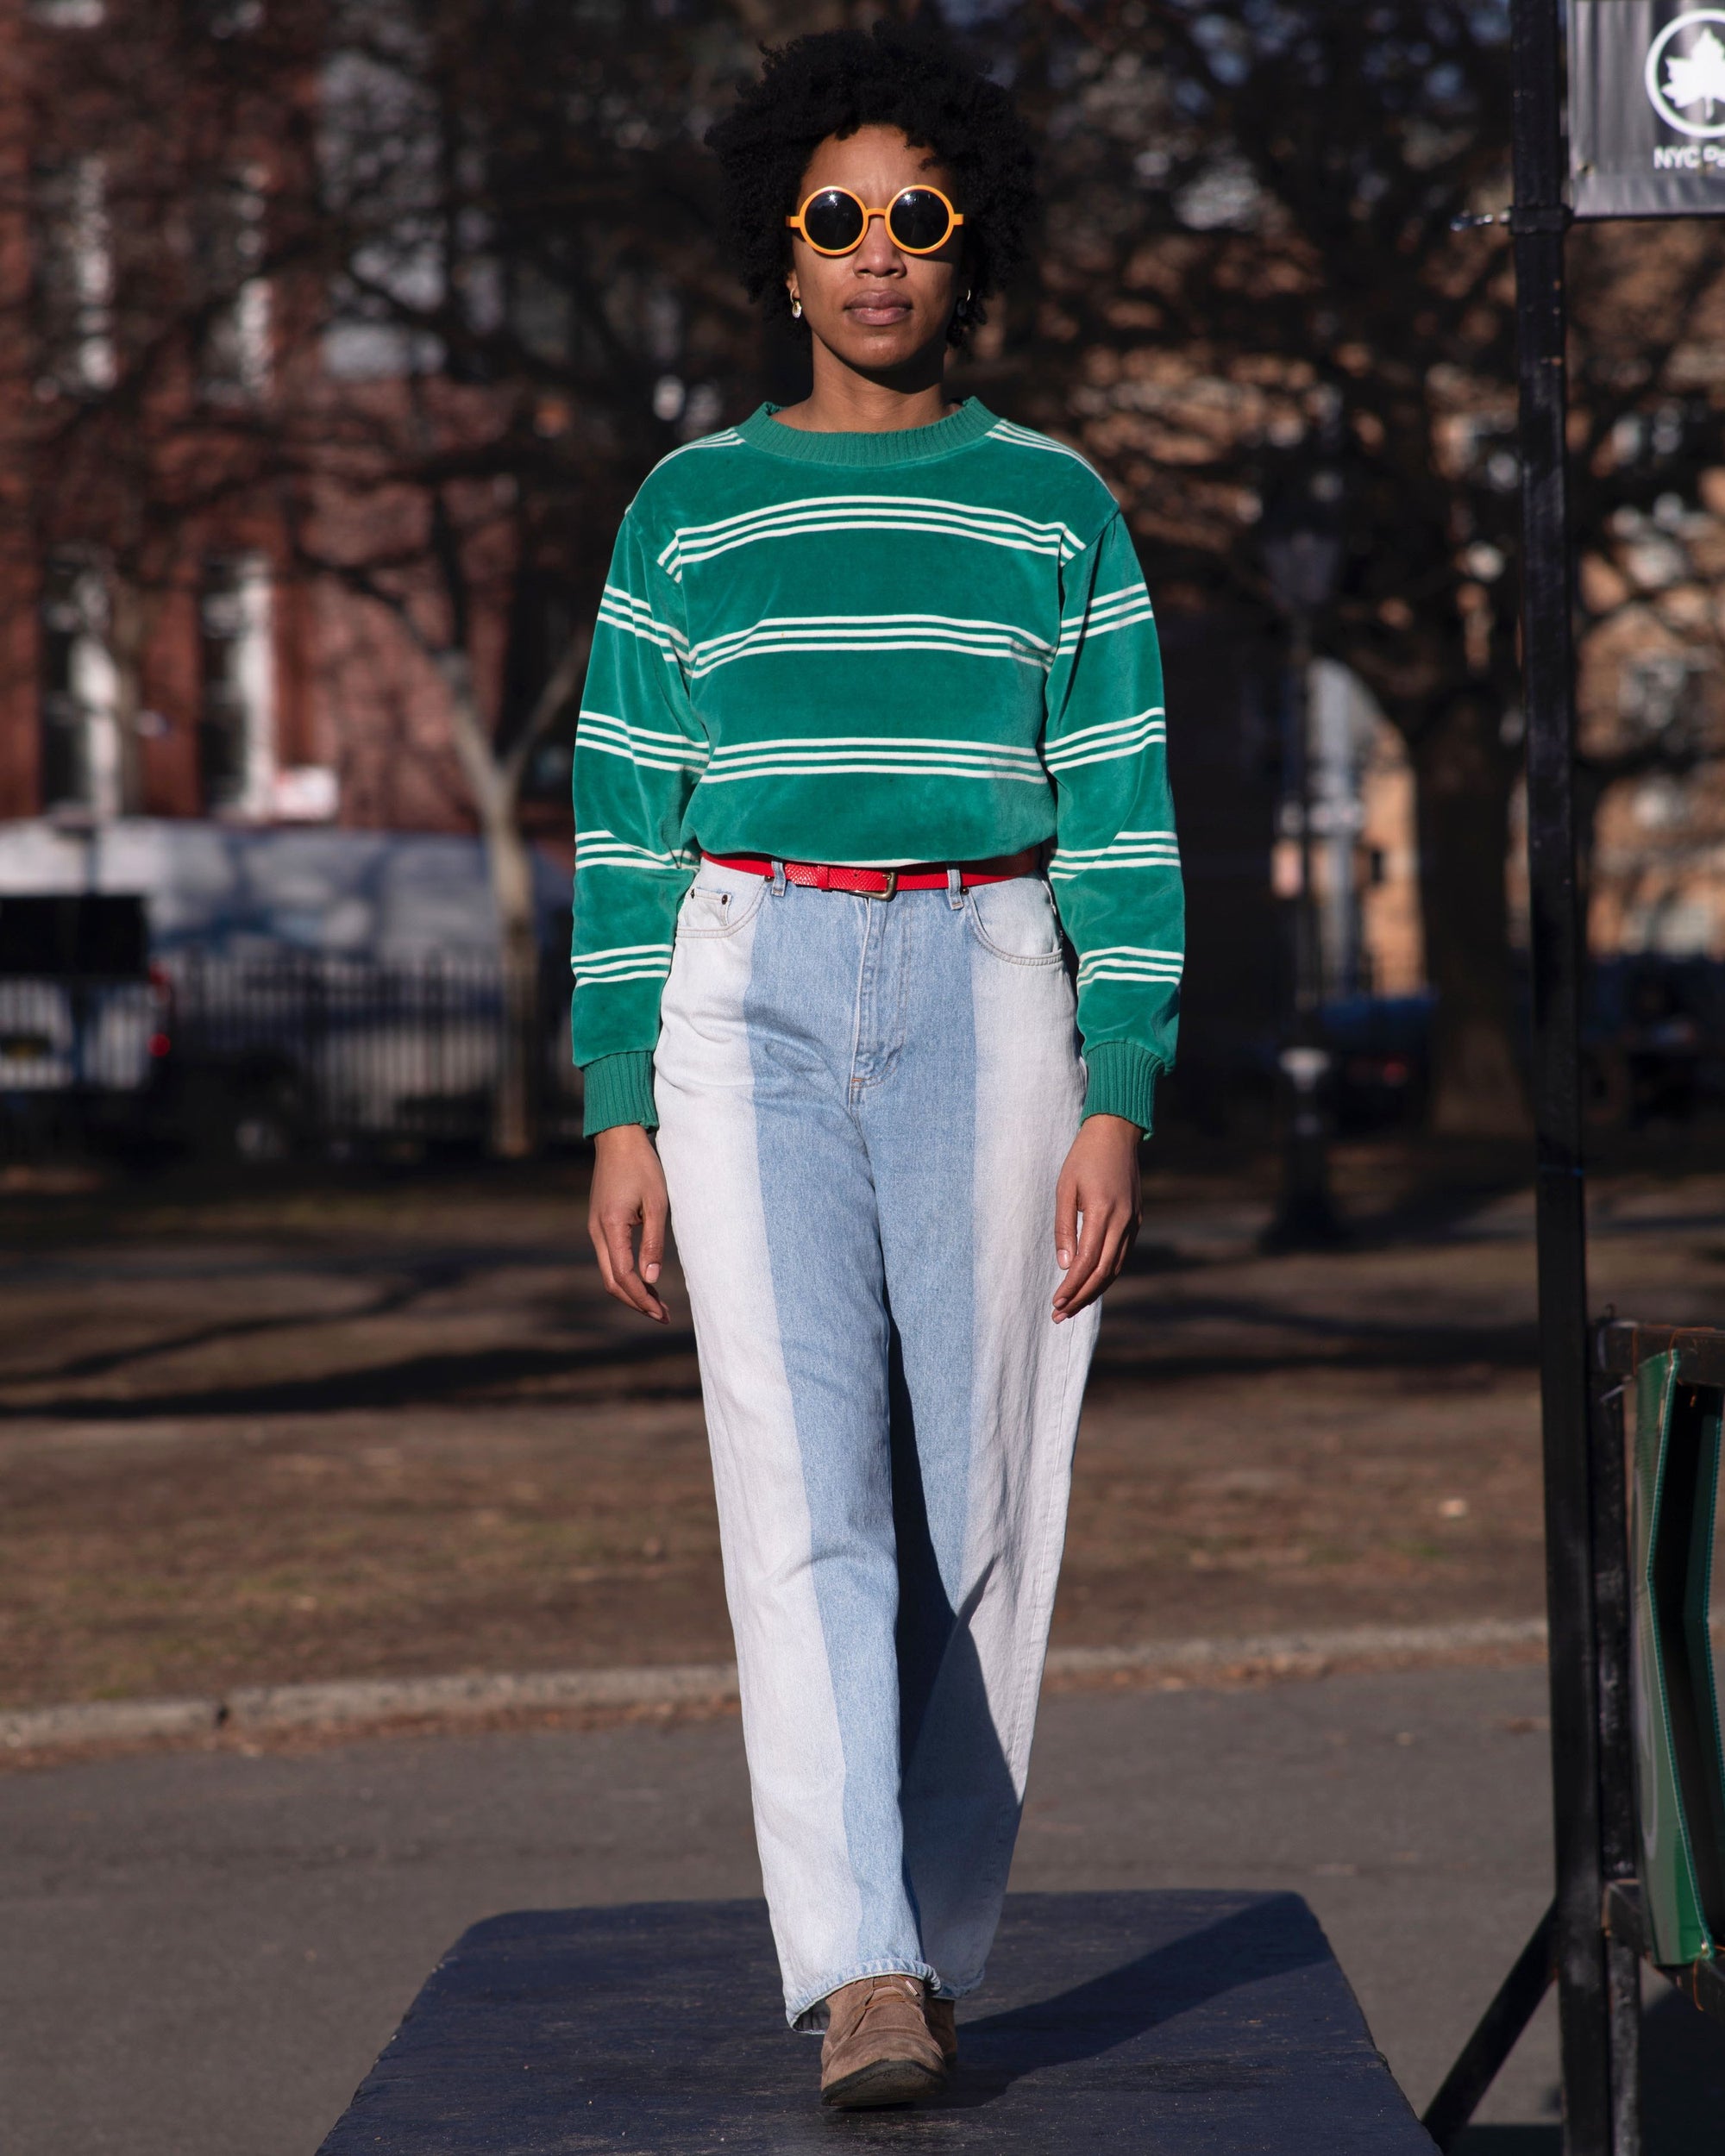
(886,349)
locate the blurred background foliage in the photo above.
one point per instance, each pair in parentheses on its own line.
(497,291)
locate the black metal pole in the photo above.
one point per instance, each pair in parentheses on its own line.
(1500,2030)
(1538,223)
(1611,1600)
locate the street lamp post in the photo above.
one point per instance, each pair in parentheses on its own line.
(1303,552)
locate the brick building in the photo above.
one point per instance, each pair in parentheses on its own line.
(182,414)
(167,355)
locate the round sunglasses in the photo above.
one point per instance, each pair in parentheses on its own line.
(919,220)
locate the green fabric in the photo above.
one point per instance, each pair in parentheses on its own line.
(970,424)
(932,645)
(1122,1081)
(618,1089)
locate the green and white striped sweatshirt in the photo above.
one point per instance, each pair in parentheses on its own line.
(932,645)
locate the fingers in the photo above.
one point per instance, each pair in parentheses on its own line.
(1065,1219)
(1096,1210)
(1074,1292)
(1106,1236)
(629,1193)
(613,1242)
(654,1212)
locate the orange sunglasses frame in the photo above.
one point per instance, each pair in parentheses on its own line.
(834,254)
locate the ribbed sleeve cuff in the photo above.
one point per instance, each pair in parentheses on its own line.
(619,1089)
(1122,1081)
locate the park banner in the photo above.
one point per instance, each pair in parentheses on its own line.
(1647,109)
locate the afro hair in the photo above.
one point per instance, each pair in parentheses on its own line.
(835,81)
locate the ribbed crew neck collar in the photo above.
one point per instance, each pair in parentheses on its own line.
(900,445)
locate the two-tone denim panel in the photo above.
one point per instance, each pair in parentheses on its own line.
(864,1107)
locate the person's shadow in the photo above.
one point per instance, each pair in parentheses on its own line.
(1269,1936)
(1683,2089)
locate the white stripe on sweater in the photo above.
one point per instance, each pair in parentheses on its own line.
(640,745)
(622,961)
(1121,610)
(1130,850)
(915,757)
(584,979)
(868,512)
(598,848)
(1129,962)
(1113,738)
(637,618)
(1004,430)
(778,633)
(727,438)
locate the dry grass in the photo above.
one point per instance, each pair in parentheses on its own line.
(370,1431)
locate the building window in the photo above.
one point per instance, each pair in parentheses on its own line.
(233,365)
(237,722)
(74,278)
(80,735)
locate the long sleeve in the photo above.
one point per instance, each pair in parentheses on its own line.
(639,750)
(1116,865)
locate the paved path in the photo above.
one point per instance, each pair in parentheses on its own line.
(205,1951)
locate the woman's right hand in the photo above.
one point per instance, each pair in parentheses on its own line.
(629,1192)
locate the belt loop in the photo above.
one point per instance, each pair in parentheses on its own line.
(955,889)
(778,879)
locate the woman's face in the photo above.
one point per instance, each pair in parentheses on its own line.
(877,308)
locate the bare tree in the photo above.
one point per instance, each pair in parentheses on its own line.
(524,308)
(429,284)
(1252,270)
(146,142)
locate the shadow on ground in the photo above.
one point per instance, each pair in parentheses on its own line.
(1683,2092)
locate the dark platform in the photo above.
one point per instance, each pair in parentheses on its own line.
(1169,2024)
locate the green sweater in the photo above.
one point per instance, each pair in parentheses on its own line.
(933,645)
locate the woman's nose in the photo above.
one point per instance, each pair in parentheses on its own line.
(877,253)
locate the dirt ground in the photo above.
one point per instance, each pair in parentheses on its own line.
(369,1428)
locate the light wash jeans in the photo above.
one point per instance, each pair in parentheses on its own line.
(865,1104)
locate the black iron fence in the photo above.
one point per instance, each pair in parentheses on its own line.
(280,1056)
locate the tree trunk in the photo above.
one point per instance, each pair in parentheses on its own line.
(129,629)
(1466,781)
(515,1120)
(495,788)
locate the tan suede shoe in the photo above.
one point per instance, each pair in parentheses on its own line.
(943,2027)
(878,2049)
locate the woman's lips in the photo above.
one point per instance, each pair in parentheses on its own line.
(878,311)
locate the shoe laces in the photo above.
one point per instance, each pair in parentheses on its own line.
(895,1986)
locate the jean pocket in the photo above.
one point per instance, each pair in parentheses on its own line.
(1015,920)
(720,901)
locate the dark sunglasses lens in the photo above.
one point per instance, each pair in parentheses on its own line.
(832,219)
(918,218)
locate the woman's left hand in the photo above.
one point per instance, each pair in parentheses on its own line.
(1100,1185)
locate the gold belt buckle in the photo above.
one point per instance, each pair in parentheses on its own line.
(891,889)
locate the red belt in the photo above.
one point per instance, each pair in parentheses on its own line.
(883,883)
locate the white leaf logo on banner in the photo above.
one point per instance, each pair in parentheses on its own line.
(1690,99)
(1698,76)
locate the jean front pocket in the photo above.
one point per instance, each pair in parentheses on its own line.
(720,901)
(1016,921)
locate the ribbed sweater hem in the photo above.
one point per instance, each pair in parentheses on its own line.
(618,1089)
(1122,1081)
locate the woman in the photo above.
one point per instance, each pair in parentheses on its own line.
(861,661)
